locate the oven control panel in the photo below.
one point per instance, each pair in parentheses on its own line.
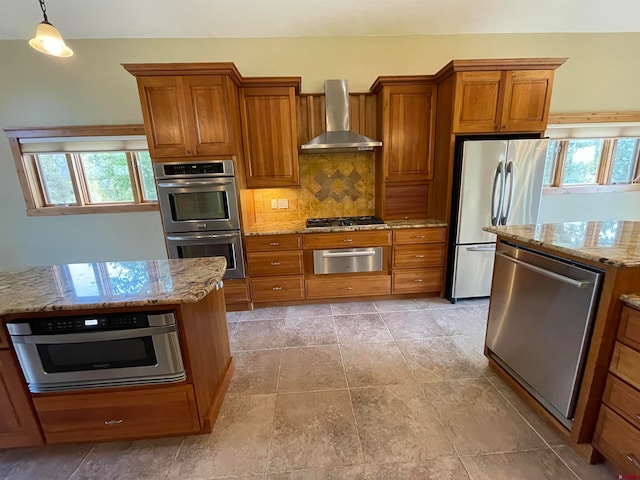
(88,323)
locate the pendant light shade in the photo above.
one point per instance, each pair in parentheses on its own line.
(48,39)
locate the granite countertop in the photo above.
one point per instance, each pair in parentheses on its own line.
(612,242)
(632,299)
(108,284)
(282,228)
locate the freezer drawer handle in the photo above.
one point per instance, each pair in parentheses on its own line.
(546,273)
(367,253)
(633,460)
(491,248)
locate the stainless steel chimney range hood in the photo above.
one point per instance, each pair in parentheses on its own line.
(338,137)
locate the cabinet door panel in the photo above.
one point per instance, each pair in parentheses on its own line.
(209,114)
(527,96)
(164,121)
(409,133)
(270,136)
(403,202)
(477,102)
(18,424)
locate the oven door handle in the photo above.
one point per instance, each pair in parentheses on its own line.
(195,183)
(97,336)
(182,238)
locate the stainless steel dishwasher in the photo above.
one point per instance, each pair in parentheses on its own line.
(539,326)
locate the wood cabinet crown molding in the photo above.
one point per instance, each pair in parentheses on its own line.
(401,80)
(211,68)
(479,65)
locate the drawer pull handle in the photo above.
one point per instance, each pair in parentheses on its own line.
(348,240)
(275,264)
(419,236)
(418,280)
(419,256)
(633,460)
(277,288)
(114,422)
(273,244)
(348,288)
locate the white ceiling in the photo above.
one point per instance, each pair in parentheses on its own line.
(295,18)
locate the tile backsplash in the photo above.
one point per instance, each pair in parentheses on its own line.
(333,185)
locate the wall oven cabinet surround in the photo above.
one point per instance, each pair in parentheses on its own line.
(269,132)
(96,351)
(189,110)
(200,213)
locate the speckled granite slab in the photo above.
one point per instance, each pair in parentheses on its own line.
(282,228)
(108,284)
(611,242)
(632,299)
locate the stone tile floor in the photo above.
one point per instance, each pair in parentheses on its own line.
(368,390)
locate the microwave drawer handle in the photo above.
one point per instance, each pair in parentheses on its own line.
(348,254)
(97,336)
(546,273)
(194,183)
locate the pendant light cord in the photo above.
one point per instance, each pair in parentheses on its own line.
(43,7)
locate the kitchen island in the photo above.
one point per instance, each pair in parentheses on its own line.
(611,248)
(79,297)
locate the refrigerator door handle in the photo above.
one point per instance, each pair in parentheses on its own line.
(496,211)
(508,178)
(488,248)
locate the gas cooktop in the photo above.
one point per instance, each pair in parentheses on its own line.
(343,221)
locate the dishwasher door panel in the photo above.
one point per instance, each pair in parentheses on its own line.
(539,324)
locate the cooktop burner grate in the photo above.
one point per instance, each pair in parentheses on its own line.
(343,221)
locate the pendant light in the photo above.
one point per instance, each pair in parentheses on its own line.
(48,39)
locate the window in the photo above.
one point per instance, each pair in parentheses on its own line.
(84,169)
(592,164)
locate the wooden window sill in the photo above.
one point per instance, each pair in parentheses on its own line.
(79,210)
(590,189)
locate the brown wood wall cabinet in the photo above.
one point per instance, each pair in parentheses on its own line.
(189,116)
(126,412)
(406,124)
(270,134)
(617,433)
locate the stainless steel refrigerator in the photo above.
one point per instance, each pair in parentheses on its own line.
(500,183)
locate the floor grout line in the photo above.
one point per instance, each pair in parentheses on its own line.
(93,447)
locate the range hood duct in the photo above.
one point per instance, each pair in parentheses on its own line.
(338,137)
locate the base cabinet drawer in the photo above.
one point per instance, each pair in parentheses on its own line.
(117,415)
(236,291)
(264,264)
(618,441)
(277,289)
(353,286)
(271,243)
(624,399)
(417,280)
(418,235)
(413,256)
(629,332)
(625,363)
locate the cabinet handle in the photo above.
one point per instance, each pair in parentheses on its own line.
(114,422)
(276,288)
(418,280)
(275,264)
(419,236)
(633,460)
(273,244)
(348,240)
(419,256)
(348,288)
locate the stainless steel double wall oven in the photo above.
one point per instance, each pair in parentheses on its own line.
(199,207)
